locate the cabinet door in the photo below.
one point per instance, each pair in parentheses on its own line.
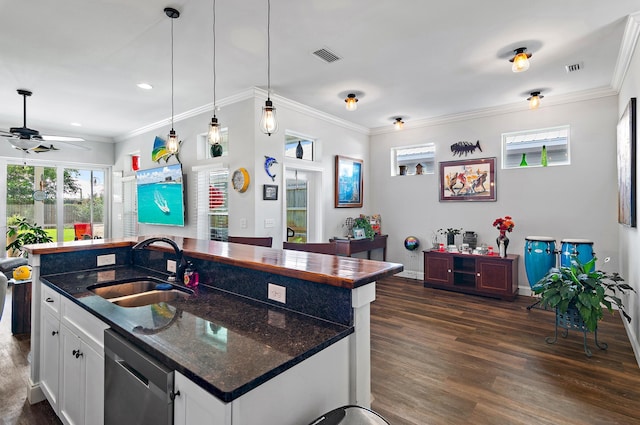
(195,406)
(93,365)
(437,269)
(493,276)
(72,378)
(50,355)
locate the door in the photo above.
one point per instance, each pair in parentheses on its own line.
(72,378)
(50,359)
(437,268)
(303,212)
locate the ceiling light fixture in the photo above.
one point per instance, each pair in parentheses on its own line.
(398,123)
(145,86)
(520,60)
(352,102)
(268,122)
(173,145)
(534,100)
(214,127)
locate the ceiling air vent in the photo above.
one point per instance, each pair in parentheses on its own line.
(326,55)
(574,68)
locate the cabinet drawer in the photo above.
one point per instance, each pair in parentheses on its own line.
(90,328)
(51,300)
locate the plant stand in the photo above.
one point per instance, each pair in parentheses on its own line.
(572,320)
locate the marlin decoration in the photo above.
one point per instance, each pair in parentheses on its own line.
(465,147)
(160,151)
(268,162)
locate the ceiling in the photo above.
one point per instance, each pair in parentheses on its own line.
(415,59)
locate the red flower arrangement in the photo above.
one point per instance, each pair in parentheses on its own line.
(505,224)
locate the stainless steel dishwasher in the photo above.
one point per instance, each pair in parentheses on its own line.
(138,389)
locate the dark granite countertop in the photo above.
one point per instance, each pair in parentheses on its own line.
(227,344)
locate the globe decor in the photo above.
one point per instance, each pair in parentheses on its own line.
(411,243)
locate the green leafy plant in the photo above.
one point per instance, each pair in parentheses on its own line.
(450,231)
(363,223)
(26,233)
(584,288)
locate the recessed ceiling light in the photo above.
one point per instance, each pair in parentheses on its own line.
(76,124)
(145,86)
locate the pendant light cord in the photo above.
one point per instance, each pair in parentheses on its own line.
(214,58)
(172,73)
(268,48)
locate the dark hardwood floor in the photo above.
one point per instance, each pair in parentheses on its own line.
(444,358)
(440,357)
(14,376)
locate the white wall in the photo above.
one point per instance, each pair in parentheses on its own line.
(248,148)
(629,237)
(575,201)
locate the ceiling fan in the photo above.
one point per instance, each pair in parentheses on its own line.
(30,140)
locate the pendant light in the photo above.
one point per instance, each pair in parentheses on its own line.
(534,100)
(173,145)
(520,60)
(268,122)
(214,127)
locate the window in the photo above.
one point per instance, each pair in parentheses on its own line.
(224,141)
(298,147)
(525,148)
(412,160)
(218,205)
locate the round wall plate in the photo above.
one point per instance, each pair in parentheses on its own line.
(39,195)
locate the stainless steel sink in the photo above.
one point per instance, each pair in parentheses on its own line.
(136,292)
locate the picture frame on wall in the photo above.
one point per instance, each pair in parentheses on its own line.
(626,153)
(469,180)
(270,192)
(348,182)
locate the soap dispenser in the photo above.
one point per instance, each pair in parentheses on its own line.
(191,276)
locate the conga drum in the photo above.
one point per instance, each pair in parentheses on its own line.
(539,257)
(580,248)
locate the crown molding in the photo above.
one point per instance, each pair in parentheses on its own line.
(306,110)
(499,110)
(239,97)
(627,47)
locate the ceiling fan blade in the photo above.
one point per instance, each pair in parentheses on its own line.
(52,138)
(7,134)
(44,148)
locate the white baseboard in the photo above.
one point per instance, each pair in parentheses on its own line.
(34,393)
(411,274)
(632,339)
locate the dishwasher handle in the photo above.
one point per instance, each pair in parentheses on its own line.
(133,372)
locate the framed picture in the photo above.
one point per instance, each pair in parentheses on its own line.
(627,165)
(468,180)
(358,233)
(270,192)
(348,182)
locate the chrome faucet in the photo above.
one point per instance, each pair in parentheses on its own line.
(180,263)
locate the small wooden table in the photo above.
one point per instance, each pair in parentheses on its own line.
(21,307)
(347,247)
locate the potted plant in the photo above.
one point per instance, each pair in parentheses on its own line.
(582,288)
(450,233)
(12,223)
(26,233)
(363,223)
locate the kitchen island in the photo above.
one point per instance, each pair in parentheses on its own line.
(229,338)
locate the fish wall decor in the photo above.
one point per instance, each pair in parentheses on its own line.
(268,162)
(465,148)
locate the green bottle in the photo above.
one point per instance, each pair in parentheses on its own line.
(523,163)
(543,156)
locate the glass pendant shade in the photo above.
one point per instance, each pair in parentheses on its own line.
(520,62)
(534,100)
(352,102)
(268,122)
(214,131)
(172,142)
(398,124)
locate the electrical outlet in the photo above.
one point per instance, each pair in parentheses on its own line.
(171,266)
(106,260)
(243,223)
(277,293)
(269,222)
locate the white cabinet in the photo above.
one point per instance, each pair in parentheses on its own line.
(82,376)
(193,405)
(51,356)
(72,360)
